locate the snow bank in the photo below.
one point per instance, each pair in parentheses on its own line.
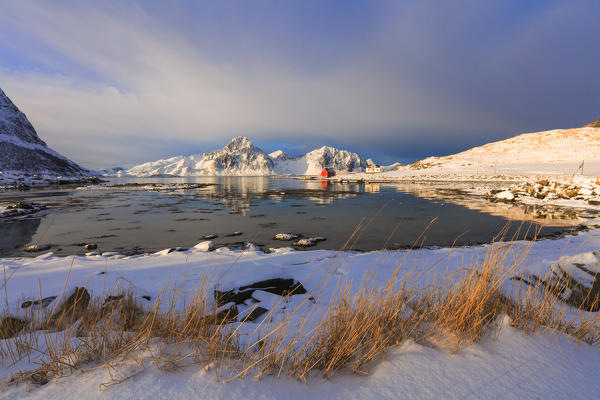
(546,366)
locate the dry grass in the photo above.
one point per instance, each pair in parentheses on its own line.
(349,331)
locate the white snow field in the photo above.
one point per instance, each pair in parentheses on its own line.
(512,365)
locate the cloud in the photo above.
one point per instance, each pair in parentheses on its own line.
(109,77)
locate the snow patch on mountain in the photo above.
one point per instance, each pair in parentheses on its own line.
(312,163)
(279,155)
(242,158)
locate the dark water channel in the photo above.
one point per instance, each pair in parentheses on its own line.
(127,219)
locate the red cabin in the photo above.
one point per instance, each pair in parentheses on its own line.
(327,173)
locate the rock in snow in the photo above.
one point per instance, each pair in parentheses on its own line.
(241,157)
(22,151)
(505,195)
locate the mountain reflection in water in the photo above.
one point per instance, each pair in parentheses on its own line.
(128,217)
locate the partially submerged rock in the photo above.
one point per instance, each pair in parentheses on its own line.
(34,248)
(21,208)
(236,233)
(285,236)
(308,242)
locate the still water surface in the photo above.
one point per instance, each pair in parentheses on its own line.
(126,220)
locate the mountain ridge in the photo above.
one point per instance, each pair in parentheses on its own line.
(240,157)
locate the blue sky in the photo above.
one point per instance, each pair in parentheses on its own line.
(121,82)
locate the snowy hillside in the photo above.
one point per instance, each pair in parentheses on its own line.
(548,147)
(240,157)
(22,151)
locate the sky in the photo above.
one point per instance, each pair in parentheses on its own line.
(110,83)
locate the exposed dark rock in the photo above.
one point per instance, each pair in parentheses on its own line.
(224,316)
(255,313)
(278,286)
(43,303)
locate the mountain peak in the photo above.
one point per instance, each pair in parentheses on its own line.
(240,157)
(239,143)
(21,149)
(14,123)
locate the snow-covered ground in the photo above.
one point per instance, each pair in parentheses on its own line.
(513,365)
(557,153)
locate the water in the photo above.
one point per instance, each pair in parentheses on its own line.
(394,216)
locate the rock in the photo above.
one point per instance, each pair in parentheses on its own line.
(11,327)
(224,316)
(278,286)
(205,246)
(585,192)
(22,205)
(209,236)
(34,248)
(308,242)
(37,303)
(571,193)
(594,202)
(285,236)
(505,195)
(255,313)
(236,233)
(74,306)
(90,246)
(304,243)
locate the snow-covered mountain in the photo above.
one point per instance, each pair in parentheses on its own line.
(541,148)
(22,151)
(312,163)
(240,157)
